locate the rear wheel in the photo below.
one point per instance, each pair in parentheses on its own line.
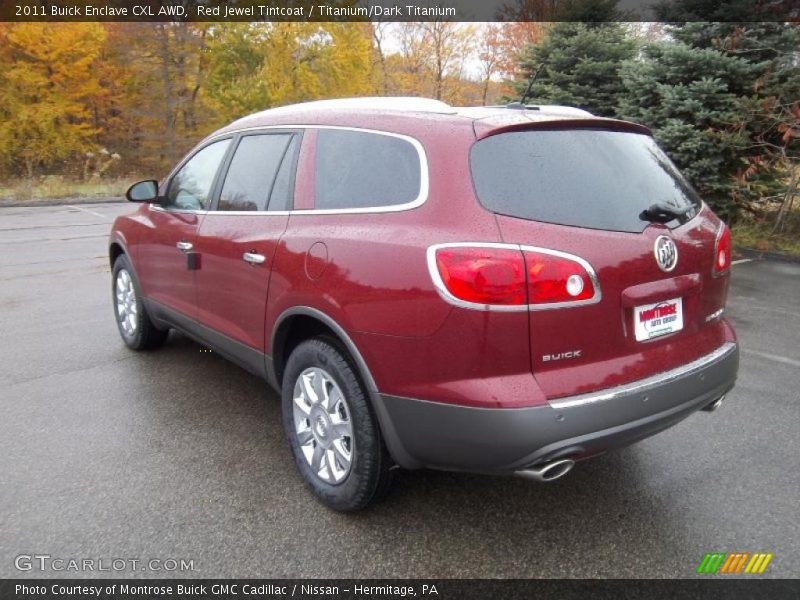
(333,435)
(134,324)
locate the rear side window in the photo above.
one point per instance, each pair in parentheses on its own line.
(357,169)
(584,178)
(253,171)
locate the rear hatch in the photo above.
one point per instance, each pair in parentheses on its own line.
(605,193)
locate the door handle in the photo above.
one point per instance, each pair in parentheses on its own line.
(184,246)
(253,258)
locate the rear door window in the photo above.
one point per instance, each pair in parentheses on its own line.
(253,171)
(359,169)
(584,178)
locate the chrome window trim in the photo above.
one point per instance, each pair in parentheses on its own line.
(448,297)
(185,211)
(424,177)
(244,213)
(649,382)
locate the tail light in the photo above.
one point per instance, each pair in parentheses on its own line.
(722,251)
(511,277)
(556,278)
(482,274)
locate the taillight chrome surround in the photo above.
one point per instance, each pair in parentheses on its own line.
(445,294)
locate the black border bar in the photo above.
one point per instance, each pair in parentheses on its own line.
(390,10)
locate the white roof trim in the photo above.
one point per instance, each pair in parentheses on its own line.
(397,103)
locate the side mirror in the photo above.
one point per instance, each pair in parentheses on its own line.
(144,191)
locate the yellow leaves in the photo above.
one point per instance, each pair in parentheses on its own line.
(47,82)
(307,61)
(151,90)
(432,59)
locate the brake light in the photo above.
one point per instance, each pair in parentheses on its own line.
(556,278)
(722,251)
(510,277)
(482,275)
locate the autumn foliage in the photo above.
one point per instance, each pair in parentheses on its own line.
(72,96)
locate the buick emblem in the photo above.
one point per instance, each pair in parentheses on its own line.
(666,253)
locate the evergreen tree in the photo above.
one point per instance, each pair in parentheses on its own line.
(685,96)
(766,133)
(722,101)
(580,66)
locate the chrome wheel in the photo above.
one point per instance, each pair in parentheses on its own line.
(127,309)
(322,425)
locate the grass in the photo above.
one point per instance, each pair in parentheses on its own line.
(757,234)
(53,186)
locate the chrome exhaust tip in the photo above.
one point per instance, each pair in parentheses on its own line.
(715,404)
(549,471)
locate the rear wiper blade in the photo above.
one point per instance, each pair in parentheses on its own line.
(661,212)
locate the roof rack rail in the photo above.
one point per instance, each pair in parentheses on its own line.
(521,106)
(553,109)
(394,103)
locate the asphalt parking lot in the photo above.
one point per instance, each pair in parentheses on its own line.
(177,454)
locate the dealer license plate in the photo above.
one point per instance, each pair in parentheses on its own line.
(654,320)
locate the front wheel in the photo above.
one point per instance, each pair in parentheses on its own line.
(133,322)
(333,435)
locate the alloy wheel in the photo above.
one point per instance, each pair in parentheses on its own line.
(322,425)
(127,309)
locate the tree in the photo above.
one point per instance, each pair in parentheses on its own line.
(307,61)
(580,66)
(255,66)
(380,30)
(490,54)
(179,53)
(500,52)
(48,82)
(766,133)
(235,85)
(432,57)
(683,95)
(722,100)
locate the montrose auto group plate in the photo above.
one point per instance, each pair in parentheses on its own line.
(655,320)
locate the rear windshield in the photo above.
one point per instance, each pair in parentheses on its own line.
(585,178)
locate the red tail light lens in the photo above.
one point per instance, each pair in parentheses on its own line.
(722,251)
(553,278)
(510,276)
(483,275)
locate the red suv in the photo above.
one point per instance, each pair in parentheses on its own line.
(495,290)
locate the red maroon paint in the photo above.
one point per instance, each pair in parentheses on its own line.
(369,273)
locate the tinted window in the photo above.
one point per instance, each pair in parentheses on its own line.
(283,190)
(190,188)
(252,172)
(364,170)
(585,178)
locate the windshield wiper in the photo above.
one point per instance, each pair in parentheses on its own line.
(661,212)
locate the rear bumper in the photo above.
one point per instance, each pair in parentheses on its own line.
(444,436)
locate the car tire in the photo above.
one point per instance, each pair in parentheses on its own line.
(135,326)
(332,431)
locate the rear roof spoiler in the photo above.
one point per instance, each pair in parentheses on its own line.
(486,128)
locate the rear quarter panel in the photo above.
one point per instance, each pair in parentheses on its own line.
(375,284)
